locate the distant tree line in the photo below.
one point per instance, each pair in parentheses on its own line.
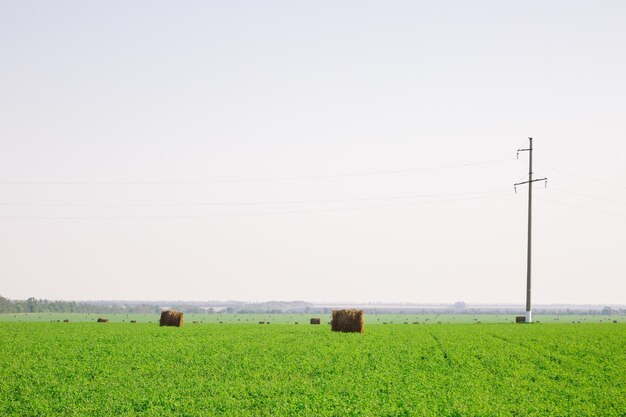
(33,305)
(231,310)
(271,307)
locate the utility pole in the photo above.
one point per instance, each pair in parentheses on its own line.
(529,315)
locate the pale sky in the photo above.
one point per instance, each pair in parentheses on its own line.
(197,150)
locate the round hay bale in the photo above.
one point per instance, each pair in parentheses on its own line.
(350,321)
(171,318)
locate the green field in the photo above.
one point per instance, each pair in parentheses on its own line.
(123,369)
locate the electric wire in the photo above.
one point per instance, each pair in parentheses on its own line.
(266,213)
(252,180)
(583,176)
(244,203)
(588,196)
(580,207)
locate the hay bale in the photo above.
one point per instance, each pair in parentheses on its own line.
(350,321)
(66,321)
(102,320)
(520,319)
(133,321)
(171,318)
(316,320)
(261,322)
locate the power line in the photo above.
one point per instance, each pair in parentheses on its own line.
(266,179)
(588,196)
(581,207)
(243,203)
(249,214)
(584,176)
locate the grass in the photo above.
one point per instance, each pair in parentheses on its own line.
(91,369)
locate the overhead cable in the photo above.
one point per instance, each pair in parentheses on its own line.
(584,176)
(243,203)
(588,196)
(266,179)
(581,207)
(266,213)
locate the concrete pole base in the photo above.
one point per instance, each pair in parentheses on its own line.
(529,317)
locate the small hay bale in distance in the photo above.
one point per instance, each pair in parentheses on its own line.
(102,320)
(316,320)
(171,318)
(520,319)
(261,322)
(133,321)
(66,321)
(348,321)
